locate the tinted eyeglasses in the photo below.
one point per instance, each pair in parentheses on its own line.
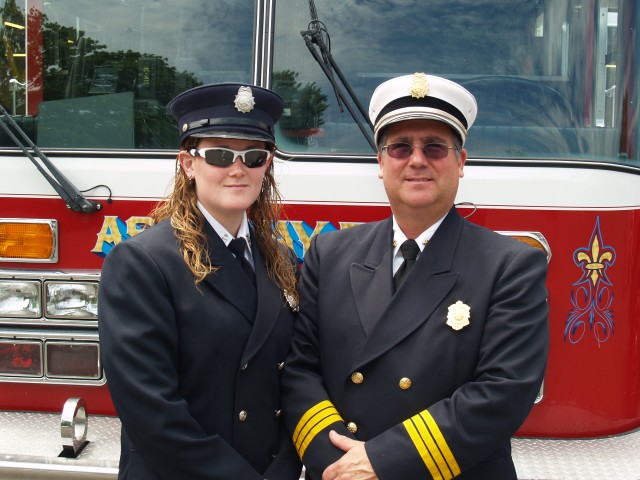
(224,157)
(434,151)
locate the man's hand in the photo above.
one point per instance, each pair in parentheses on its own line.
(354,464)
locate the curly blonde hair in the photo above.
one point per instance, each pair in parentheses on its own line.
(188,222)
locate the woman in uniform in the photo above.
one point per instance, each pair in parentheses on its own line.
(196,312)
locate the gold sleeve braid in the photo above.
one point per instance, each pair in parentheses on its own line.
(431,446)
(312,422)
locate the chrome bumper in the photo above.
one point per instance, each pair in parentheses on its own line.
(31,444)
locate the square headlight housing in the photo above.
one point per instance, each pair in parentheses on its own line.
(71,300)
(20,298)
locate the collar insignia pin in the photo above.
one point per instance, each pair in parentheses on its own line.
(244,101)
(419,86)
(458,316)
(291,301)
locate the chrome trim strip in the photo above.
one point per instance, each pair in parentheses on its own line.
(540,395)
(539,237)
(16,466)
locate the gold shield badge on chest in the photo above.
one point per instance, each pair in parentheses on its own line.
(458,315)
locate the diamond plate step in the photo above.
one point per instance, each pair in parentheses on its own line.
(608,458)
(30,444)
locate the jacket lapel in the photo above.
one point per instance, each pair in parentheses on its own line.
(230,281)
(371,280)
(428,283)
(268,311)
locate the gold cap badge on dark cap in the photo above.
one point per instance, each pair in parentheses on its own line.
(227,110)
(421,96)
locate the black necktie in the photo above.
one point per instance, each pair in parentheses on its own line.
(237,246)
(409,250)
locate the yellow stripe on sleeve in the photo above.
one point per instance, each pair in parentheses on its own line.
(315,430)
(428,440)
(310,428)
(442,443)
(307,416)
(431,446)
(312,422)
(422,449)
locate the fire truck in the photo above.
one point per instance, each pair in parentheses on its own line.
(87,149)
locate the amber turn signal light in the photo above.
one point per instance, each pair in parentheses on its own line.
(28,240)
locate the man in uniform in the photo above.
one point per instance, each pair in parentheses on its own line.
(423,338)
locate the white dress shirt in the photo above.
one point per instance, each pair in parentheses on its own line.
(224,234)
(399,237)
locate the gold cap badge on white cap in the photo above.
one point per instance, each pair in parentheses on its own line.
(419,86)
(421,96)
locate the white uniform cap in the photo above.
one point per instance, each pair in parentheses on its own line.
(425,97)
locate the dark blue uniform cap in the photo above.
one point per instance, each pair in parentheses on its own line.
(227,110)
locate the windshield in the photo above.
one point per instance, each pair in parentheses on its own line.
(552,78)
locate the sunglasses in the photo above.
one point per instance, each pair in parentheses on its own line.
(434,151)
(224,157)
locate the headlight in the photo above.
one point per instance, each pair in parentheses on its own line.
(20,299)
(71,300)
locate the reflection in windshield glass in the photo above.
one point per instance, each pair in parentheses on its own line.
(548,83)
(100,74)
(553,79)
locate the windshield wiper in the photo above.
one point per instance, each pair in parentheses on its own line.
(314,38)
(72,197)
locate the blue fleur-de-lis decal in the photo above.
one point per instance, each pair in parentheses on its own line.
(592,297)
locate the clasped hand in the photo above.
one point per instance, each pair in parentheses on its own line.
(354,464)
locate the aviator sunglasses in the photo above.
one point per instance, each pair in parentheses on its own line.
(434,151)
(224,157)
